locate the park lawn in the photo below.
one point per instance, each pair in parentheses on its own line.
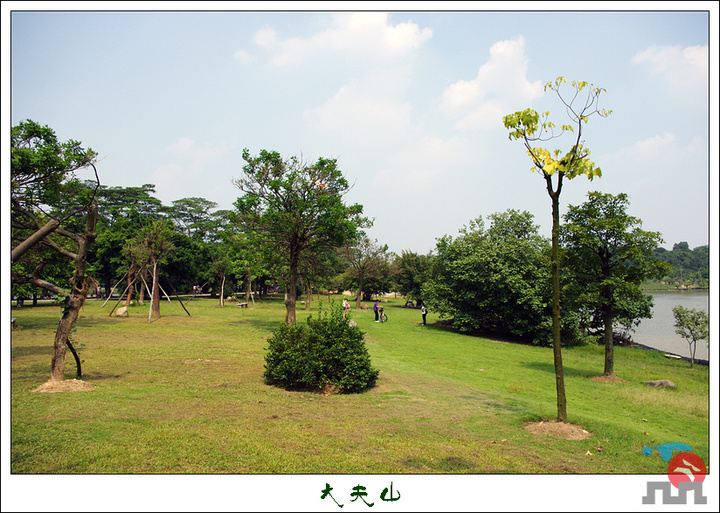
(185,394)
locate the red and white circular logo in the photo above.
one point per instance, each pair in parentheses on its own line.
(686,466)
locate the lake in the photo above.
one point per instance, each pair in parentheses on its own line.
(659,332)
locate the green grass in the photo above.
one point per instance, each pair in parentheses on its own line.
(186,395)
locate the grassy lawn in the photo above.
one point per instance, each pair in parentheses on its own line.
(186,395)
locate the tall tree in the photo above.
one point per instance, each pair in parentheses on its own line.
(49,204)
(122,212)
(192,216)
(413,271)
(294,208)
(609,255)
(532,128)
(367,260)
(220,267)
(153,244)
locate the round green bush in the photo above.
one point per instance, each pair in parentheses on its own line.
(326,353)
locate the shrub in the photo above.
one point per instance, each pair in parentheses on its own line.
(325,353)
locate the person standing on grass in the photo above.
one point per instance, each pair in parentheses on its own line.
(423,311)
(375,309)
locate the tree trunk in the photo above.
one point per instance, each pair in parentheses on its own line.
(291,290)
(692,353)
(75,300)
(141,294)
(555,267)
(222,291)
(359,292)
(308,293)
(248,281)
(129,290)
(155,292)
(78,365)
(73,303)
(608,327)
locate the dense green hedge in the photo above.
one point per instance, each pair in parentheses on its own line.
(326,353)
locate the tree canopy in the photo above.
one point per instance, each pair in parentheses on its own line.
(296,209)
(494,279)
(609,255)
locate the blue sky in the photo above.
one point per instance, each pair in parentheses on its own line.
(410,103)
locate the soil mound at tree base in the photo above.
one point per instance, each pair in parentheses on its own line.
(66,385)
(607,379)
(558,429)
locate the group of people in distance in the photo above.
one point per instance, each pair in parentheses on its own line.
(379,310)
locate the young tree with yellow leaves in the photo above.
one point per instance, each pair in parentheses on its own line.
(532,129)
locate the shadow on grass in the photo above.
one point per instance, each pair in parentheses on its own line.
(34,370)
(446,327)
(447,465)
(102,376)
(259,324)
(18,352)
(568,371)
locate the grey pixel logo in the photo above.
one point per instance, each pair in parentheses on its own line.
(669,498)
(686,472)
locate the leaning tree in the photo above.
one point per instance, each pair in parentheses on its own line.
(554,167)
(48,206)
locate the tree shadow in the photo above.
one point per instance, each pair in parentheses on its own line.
(103,376)
(18,352)
(567,371)
(446,327)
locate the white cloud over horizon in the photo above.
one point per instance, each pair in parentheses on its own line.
(683,69)
(355,35)
(501,85)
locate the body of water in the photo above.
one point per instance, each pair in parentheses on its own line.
(659,332)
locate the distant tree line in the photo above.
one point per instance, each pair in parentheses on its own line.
(290,231)
(690,267)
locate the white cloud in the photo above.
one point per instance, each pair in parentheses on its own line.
(366,111)
(195,157)
(685,70)
(352,34)
(660,162)
(651,147)
(183,145)
(166,176)
(500,85)
(424,164)
(243,55)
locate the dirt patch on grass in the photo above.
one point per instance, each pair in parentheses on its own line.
(607,379)
(200,360)
(66,385)
(558,430)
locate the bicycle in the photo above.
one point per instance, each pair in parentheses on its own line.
(383,315)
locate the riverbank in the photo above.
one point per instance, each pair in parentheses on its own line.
(658,332)
(699,361)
